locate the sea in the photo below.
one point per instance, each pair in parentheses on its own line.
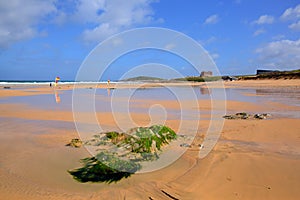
(47,82)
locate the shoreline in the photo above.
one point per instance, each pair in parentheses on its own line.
(113,85)
(33,89)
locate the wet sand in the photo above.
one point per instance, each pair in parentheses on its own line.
(253,159)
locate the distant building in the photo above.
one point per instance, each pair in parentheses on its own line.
(265,71)
(206,73)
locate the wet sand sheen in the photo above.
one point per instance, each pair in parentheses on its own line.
(252,160)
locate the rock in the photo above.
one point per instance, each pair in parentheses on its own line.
(77,143)
(261,116)
(244,115)
(228,117)
(123,152)
(185,145)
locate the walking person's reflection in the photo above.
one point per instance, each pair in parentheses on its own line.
(57,97)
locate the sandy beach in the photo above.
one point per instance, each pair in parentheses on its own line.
(253,159)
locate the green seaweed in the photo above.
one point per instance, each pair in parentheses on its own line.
(112,135)
(143,144)
(104,167)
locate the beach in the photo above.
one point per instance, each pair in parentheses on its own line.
(252,159)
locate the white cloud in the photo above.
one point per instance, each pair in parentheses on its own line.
(291,13)
(278,37)
(112,16)
(88,11)
(99,32)
(208,41)
(259,32)
(213,19)
(282,54)
(214,55)
(295,26)
(19,18)
(117,42)
(170,46)
(264,19)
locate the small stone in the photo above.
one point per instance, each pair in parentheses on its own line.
(228,117)
(185,145)
(259,116)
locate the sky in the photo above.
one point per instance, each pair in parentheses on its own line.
(42,39)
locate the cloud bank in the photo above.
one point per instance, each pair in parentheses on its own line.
(19,19)
(283,54)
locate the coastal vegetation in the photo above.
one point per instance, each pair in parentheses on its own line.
(294,74)
(199,78)
(188,78)
(144,78)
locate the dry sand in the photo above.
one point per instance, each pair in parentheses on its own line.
(253,159)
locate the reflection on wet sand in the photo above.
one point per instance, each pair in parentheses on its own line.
(204,90)
(290,95)
(57,97)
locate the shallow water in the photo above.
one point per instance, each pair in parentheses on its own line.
(104,99)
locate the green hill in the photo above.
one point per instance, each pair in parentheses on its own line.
(144,78)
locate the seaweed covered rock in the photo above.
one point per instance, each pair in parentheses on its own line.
(243,115)
(121,154)
(261,116)
(137,140)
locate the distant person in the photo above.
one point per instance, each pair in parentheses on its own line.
(50,84)
(56,81)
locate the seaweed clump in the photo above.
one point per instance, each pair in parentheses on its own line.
(103,168)
(149,139)
(121,154)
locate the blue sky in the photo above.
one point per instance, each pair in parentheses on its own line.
(41,39)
